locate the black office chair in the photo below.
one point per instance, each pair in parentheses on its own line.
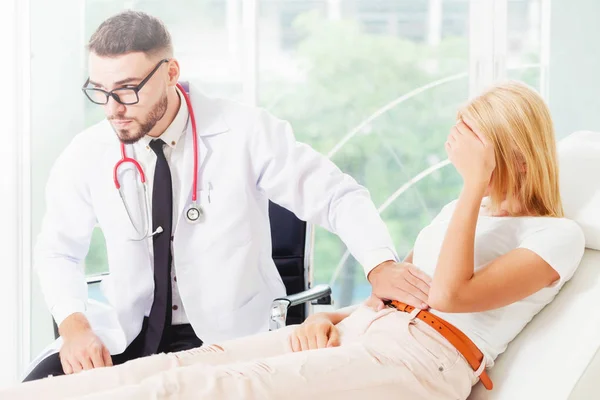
(292,255)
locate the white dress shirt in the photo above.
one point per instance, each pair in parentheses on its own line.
(173,137)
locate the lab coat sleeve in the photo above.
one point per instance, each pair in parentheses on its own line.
(297,177)
(65,236)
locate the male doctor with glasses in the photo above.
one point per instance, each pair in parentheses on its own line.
(181,278)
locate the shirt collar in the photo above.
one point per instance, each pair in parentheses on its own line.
(175,132)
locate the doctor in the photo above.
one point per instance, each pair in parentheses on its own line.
(189,250)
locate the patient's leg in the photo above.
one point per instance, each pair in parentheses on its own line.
(248,348)
(392,358)
(354,371)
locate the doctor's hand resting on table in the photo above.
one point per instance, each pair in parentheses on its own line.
(82,349)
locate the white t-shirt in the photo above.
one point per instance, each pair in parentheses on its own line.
(559,241)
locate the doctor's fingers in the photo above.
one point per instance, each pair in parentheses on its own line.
(75,365)
(66,366)
(86,361)
(107,358)
(410,299)
(408,288)
(97,357)
(418,273)
(417,284)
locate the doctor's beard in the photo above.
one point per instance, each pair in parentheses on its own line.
(130,135)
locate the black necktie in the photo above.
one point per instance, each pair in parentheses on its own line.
(162,215)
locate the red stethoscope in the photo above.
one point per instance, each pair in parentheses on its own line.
(193,213)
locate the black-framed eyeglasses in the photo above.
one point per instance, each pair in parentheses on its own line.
(125,95)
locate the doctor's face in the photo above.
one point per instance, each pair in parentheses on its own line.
(131,122)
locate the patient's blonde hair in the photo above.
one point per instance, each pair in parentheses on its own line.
(517,121)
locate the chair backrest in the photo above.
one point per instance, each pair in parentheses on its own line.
(288,237)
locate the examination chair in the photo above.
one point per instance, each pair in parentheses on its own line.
(292,250)
(556,356)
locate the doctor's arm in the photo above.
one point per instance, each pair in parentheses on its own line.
(61,247)
(297,177)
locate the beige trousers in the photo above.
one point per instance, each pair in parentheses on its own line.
(383,355)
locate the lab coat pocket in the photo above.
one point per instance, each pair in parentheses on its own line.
(226,219)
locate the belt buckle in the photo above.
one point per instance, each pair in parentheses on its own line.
(397,305)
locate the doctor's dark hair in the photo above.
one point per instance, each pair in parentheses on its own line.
(130,32)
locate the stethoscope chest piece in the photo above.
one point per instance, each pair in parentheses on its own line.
(194,214)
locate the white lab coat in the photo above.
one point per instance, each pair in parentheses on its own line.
(227,279)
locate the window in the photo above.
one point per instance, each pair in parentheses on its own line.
(365,86)
(524,41)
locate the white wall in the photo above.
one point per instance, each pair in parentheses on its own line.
(13,160)
(56,114)
(575,65)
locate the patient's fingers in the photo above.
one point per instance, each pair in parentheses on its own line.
(303,343)
(334,338)
(321,340)
(312,340)
(295,343)
(107,358)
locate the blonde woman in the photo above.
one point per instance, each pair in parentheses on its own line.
(498,254)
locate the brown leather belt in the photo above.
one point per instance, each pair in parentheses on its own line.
(459,340)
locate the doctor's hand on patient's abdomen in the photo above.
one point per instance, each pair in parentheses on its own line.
(318,331)
(402,282)
(82,349)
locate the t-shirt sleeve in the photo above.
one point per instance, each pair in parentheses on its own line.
(561,246)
